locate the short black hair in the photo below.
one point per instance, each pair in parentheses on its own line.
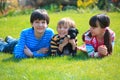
(39,14)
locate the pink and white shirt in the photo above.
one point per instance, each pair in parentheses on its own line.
(92,44)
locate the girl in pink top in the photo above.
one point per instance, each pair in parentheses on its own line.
(99,39)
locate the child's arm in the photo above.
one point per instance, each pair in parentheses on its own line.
(19,48)
(41,53)
(73,43)
(89,47)
(90,50)
(54,45)
(102,51)
(44,51)
(64,43)
(27,51)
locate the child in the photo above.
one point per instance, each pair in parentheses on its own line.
(59,41)
(35,41)
(99,39)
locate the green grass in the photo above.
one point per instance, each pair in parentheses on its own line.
(59,68)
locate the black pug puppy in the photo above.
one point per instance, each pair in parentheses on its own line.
(67,50)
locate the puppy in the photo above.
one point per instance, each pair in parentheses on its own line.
(68,50)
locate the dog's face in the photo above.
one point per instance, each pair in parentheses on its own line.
(72,33)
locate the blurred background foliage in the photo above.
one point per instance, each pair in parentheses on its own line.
(18,7)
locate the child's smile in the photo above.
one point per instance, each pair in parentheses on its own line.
(62,30)
(39,26)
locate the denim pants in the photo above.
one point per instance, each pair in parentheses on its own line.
(9,47)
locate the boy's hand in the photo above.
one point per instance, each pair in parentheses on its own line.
(102,50)
(27,51)
(43,50)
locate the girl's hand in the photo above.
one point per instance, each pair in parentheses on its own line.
(102,50)
(82,48)
(27,51)
(73,43)
(43,50)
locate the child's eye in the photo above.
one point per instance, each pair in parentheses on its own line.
(65,27)
(59,27)
(93,27)
(36,22)
(43,22)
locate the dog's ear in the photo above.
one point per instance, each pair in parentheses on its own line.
(77,32)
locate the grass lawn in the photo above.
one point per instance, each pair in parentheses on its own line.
(59,68)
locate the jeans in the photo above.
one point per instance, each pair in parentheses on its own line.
(2,45)
(8,47)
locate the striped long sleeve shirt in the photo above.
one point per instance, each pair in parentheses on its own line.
(55,42)
(28,38)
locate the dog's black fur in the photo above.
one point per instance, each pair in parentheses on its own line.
(67,50)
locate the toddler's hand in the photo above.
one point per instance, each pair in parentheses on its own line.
(73,43)
(65,41)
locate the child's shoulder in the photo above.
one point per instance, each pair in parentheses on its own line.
(27,30)
(55,37)
(49,30)
(87,36)
(87,33)
(111,31)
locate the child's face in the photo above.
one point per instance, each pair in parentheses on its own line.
(39,26)
(62,30)
(96,31)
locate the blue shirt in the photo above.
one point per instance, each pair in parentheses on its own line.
(28,38)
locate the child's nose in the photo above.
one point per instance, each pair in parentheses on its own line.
(40,24)
(62,28)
